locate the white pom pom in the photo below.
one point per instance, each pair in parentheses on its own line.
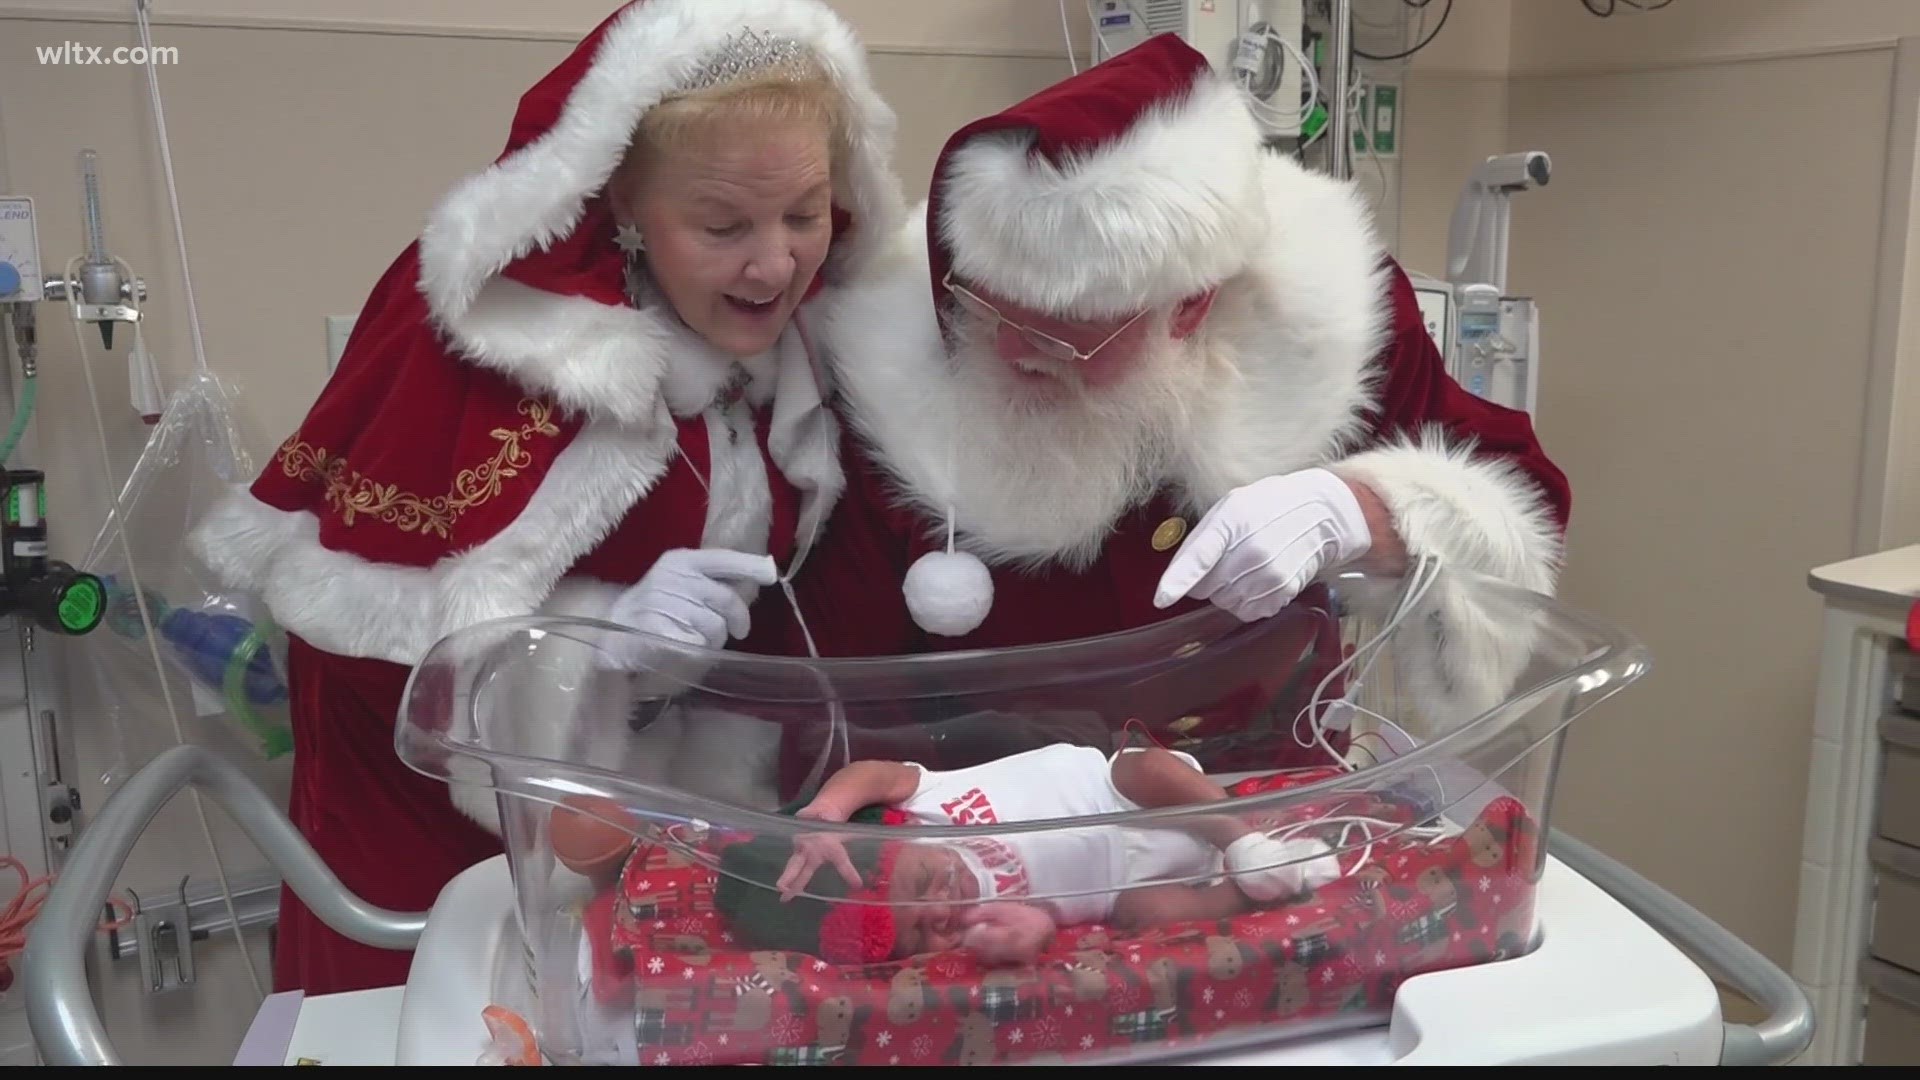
(949,592)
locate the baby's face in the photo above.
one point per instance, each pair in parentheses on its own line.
(935,886)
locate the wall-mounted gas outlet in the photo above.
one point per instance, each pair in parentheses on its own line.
(1376,120)
(338,327)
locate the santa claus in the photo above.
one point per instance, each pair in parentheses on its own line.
(1124,362)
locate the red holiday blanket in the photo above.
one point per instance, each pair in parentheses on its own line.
(1410,904)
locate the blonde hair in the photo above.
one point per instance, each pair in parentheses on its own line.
(780,98)
(773,97)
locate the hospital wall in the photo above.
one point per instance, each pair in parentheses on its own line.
(1720,354)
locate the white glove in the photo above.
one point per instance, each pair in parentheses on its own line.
(1262,544)
(689,595)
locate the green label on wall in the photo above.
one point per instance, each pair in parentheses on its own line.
(1386,119)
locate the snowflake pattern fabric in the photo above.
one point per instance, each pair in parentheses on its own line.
(1408,905)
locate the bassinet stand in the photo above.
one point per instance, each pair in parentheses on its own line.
(1439,1019)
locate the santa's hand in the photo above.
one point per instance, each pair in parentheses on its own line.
(690,596)
(1007,933)
(1260,546)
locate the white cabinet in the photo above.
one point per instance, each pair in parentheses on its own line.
(1857,839)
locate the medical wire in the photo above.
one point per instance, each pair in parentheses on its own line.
(837,725)
(153,650)
(106,461)
(1423,43)
(1276,115)
(1066,33)
(836,714)
(173,195)
(1426,572)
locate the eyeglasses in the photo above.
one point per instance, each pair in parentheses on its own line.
(1046,344)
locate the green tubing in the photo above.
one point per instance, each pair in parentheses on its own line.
(23,412)
(275,738)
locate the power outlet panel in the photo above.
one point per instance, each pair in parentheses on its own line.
(339,327)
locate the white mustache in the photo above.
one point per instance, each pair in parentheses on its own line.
(1045,365)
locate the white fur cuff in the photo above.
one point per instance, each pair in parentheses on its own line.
(1463,648)
(1470,513)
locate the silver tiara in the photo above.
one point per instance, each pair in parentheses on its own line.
(746,53)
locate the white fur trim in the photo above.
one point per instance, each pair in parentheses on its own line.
(472,795)
(1476,514)
(608,364)
(804,437)
(581,701)
(1167,210)
(596,360)
(347,605)
(343,604)
(1287,374)
(1465,645)
(739,502)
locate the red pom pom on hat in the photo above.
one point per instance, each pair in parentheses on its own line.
(864,933)
(858,934)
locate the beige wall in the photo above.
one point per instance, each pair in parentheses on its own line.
(1720,259)
(1550,37)
(1707,362)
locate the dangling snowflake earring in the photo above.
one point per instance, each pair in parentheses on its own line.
(633,249)
(627,238)
(949,592)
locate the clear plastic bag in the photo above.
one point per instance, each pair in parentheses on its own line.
(176,658)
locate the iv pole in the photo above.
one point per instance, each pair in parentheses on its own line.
(1340,152)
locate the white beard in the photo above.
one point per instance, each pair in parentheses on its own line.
(1086,454)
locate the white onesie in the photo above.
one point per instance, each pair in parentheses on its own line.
(1079,871)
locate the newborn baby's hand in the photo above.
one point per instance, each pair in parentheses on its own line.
(1007,933)
(810,852)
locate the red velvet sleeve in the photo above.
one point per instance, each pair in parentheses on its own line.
(1418,394)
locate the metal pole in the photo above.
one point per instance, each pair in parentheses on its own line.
(1340,154)
(60,1007)
(1787,1030)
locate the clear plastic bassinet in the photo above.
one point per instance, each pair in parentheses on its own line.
(1412,726)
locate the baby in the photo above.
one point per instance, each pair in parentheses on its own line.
(867,901)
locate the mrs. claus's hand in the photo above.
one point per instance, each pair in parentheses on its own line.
(1262,544)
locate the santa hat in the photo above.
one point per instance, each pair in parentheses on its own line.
(839,923)
(1132,184)
(861,928)
(518,262)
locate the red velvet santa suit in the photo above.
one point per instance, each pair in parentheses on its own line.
(1137,184)
(509,433)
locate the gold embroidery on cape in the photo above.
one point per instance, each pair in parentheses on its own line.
(354,495)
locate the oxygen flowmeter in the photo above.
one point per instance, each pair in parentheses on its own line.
(48,591)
